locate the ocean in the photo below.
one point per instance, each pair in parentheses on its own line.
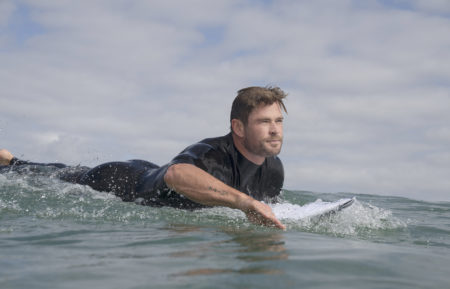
(59,235)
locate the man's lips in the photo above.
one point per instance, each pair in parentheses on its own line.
(274,141)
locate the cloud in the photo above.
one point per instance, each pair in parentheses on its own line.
(87,82)
(433,6)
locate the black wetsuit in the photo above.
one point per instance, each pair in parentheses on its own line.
(143,182)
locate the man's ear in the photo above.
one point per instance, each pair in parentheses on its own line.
(238,127)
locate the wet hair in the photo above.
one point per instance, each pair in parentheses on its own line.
(252,97)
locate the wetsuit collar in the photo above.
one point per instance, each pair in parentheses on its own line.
(244,164)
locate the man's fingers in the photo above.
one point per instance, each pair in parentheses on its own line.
(275,223)
(278,224)
(261,219)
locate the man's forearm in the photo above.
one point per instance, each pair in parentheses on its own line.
(201,187)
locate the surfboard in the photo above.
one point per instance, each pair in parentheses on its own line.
(315,209)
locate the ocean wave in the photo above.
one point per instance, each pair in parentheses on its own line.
(369,217)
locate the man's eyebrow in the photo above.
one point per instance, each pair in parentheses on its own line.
(263,118)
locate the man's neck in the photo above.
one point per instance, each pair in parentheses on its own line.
(239,144)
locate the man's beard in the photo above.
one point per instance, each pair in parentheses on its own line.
(260,148)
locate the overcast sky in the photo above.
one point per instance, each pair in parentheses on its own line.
(368,83)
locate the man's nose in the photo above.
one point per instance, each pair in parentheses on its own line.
(273,130)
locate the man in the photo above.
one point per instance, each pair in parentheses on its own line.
(238,170)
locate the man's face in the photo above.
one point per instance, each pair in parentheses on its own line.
(263,134)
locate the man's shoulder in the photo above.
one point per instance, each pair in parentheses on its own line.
(216,142)
(206,148)
(221,145)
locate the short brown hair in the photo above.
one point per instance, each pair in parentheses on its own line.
(250,98)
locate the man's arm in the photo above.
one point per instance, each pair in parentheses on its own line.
(201,187)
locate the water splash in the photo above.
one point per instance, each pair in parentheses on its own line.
(360,219)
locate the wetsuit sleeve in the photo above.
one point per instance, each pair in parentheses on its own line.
(154,190)
(17,162)
(59,170)
(208,158)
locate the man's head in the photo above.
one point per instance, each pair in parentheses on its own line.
(257,122)
(252,97)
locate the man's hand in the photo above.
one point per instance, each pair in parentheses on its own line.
(261,214)
(5,157)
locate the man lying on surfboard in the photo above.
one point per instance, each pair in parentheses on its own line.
(238,170)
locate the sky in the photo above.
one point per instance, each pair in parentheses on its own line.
(368,83)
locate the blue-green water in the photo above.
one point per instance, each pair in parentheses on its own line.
(59,235)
